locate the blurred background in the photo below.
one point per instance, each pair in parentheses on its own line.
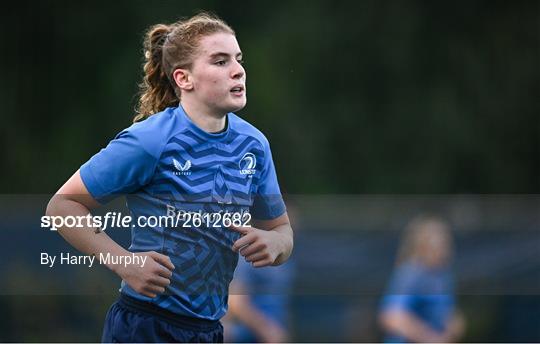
(376,112)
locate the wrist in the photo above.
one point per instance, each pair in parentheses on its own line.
(116,268)
(284,245)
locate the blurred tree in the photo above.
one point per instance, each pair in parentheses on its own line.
(356,97)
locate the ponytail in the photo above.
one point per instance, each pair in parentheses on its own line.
(167,47)
(156,91)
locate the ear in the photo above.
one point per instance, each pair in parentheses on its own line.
(182,78)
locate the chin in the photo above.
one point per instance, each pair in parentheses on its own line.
(237,107)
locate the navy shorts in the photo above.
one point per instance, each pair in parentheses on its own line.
(130,320)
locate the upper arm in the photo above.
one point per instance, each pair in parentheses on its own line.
(75,190)
(124,166)
(268,202)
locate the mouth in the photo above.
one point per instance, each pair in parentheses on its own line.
(238,90)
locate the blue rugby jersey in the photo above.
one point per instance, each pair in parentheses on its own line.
(166,162)
(428,293)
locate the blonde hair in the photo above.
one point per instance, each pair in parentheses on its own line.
(418,234)
(166,48)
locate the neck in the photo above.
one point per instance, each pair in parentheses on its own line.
(205,119)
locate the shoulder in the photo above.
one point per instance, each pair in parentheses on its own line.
(410,270)
(243,127)
(156,126)
(154,132)
(406,277)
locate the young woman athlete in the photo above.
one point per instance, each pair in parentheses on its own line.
(186,153)
(419,305)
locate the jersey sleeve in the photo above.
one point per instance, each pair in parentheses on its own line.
(401,293)
(122,167)
(268,203)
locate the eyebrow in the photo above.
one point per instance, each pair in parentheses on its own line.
(221,54)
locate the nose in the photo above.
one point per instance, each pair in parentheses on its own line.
(238,70)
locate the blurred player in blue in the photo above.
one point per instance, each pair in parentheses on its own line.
(186,153)
(419,305)
(259,301)
(259,304)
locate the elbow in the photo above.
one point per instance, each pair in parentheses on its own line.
(52,206)
(391,321)
(384,320)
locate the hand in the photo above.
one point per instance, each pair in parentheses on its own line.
(150,279)
(273,333)
(456,327)
(259,247)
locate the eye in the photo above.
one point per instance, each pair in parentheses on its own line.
(241,61)
(220,63)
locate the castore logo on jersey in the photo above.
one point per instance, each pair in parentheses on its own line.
(182,170)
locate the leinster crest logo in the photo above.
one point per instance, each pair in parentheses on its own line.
(247,164)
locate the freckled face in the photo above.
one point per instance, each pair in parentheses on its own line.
(219,80)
